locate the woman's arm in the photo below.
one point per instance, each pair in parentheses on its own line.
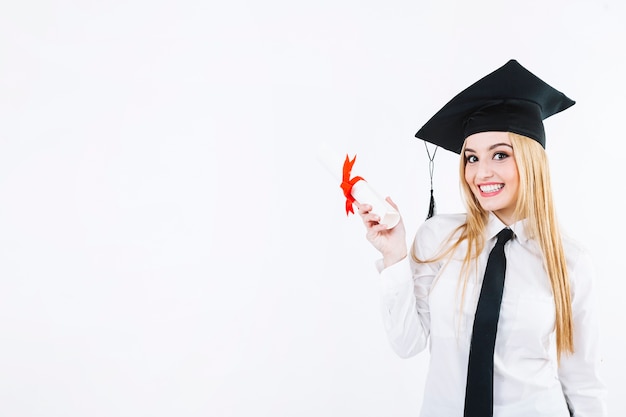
(404,306)
(579,373)
(405,285)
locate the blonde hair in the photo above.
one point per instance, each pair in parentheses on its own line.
(535,204)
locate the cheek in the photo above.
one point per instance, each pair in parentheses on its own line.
(470,179)
(513,176)
(516,188)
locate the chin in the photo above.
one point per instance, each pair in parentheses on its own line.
(493,207)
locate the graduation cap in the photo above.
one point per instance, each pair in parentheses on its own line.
(510,99)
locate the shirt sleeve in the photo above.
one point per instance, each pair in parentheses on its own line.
(404,304)
(580,372)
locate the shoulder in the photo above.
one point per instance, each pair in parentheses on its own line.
(579,264)
(575,251)
(436,231)
(442,224)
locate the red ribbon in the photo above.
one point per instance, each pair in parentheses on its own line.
(347,183)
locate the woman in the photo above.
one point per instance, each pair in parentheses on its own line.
(530,347)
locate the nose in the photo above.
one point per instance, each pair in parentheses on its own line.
(484,170)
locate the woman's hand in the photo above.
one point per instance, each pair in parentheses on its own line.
(391,243)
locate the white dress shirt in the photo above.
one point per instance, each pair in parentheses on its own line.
(421,304)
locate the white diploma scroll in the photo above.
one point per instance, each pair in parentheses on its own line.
(362,192)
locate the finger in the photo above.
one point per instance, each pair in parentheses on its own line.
(364,208)
(371,218)
(379,227)
(390,201)
(375,231)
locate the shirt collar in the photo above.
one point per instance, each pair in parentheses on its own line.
(494,225)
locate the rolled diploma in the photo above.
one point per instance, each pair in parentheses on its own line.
(362,192)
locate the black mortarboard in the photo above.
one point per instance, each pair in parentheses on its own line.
(510,99)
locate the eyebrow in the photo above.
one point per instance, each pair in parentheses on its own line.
(491,147)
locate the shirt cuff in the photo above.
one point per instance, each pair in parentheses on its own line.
(396,275)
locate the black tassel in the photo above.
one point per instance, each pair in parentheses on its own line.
(432,208)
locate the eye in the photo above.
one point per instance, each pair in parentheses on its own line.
(470,159)
(500,155)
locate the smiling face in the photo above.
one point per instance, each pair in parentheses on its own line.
(491,173)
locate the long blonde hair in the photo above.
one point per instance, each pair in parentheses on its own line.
(534,203)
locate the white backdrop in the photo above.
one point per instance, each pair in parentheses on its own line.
(169,244)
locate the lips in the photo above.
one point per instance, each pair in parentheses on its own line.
(490,188)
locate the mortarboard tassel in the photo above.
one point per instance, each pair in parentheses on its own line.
(432,208)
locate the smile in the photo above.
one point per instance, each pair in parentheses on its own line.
(490,188)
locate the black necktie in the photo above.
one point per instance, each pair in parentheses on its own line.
(479,389)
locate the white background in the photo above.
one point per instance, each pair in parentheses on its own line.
(169,244)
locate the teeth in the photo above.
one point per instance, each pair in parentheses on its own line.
(491,188)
